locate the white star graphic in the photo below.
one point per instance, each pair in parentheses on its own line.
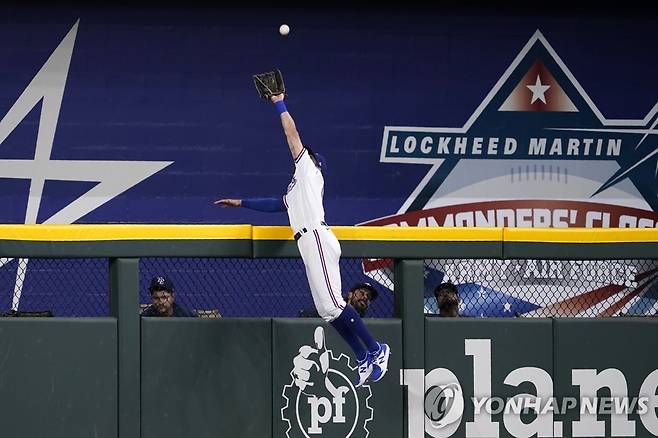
(113,177)
(507,307)
(538,90)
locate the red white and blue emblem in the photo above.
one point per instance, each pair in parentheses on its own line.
(537,152)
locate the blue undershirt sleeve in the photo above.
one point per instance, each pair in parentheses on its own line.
(264,204)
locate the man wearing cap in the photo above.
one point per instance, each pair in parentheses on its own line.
(447,300)
(359,296)
(164,300)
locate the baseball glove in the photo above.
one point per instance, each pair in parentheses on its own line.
(269,84)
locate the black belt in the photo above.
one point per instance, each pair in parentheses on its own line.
(303,231)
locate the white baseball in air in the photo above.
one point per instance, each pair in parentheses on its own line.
(284,29)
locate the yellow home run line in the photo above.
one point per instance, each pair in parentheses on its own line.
(72,233)
(580,235)
(108,232)
(418,234)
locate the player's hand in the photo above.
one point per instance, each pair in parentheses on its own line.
(276,98)
(311,360)
(229,202)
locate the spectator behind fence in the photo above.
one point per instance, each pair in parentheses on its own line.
(164,300)
(359,296)
(447,299)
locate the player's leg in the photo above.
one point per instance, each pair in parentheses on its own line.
(347,321)
(350,320)
(332,313)
(378,353)
(321,258)
(325,286)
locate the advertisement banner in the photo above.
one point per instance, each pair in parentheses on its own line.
(327,403)
(537,377)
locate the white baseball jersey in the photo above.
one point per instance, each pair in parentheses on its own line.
(318,246)
(304,198)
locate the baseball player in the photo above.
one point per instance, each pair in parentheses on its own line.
(319,248)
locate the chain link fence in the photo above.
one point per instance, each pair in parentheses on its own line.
(278,287)
(250,287)
(546,288)
(54,287)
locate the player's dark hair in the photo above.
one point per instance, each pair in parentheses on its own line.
(311,154)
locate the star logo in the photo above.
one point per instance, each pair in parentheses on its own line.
(111,178)
(538,90)
(537,152)
(529,95)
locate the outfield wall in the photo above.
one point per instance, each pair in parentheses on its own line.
(232,377)
(126,377)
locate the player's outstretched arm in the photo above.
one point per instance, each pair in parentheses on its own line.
(270,205)
(289,128)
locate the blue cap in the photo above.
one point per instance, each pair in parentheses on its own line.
(161,283)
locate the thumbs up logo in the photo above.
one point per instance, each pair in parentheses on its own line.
(321,398)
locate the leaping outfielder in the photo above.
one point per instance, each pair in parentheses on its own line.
(320,251)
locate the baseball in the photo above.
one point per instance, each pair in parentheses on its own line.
(284,29)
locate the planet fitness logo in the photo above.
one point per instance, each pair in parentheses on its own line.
(323,400)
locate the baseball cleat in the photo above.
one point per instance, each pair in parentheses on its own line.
(380,362)
(364,368)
